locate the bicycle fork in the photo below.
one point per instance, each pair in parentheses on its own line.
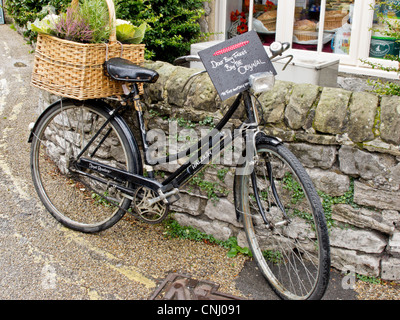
(252,133)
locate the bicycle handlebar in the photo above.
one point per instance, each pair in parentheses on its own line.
(184,59)
(276,48)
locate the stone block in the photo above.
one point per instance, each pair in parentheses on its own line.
(202,94)
(156,91)
(363,108)
(391,217)
(301,101)
(390,269)
(382,199)
(316,138)
(390,119)
(329,182)
(189,204)
(312,156)
(364,264)
(394,244)
(218,229)
(222,210)
(331,112)
(377,145)
(178,86)
(360,240)
(274,102)
(381,169)
(363,218)
(242,239)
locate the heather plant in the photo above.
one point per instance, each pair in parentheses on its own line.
(73,26)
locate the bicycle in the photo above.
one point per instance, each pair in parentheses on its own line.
(88,171)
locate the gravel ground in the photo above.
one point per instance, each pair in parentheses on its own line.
(370,291)
(145,247)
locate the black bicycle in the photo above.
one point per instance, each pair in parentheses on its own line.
(88,171)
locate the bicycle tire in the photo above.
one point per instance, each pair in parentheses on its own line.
(293,255)
(78,202)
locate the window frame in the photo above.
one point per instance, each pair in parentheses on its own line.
(360,37)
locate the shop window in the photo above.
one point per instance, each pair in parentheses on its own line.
(385,29)
(264,19)
(335,23)
(345,29)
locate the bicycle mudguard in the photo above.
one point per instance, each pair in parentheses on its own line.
(260,138)
(270,140)
(42,116)
(118,118)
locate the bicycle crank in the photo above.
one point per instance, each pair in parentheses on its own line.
(146,209)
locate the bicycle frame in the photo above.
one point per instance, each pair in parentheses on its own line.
(205,148)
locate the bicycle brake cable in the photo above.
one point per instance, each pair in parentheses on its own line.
(260,111)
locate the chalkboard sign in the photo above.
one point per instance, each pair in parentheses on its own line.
(1,13)
(231,63)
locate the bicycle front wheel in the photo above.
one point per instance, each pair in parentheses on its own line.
(76,200)
(284,223)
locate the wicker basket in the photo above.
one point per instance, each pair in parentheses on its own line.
(270,25)
(75,70)
(305,35)
(334,19)
(269,20)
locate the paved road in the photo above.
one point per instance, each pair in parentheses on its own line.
(39,259)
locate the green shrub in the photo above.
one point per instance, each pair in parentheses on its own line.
(173,25)
(24,11)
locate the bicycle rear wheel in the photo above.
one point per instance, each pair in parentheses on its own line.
(78,201)
(290,244)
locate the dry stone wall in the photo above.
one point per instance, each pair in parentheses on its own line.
(347,141)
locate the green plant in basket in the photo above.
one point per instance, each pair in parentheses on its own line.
(74,27)
(46,25)
(95,12)
(87,22)
(128,33)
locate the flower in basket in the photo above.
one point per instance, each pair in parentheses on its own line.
(73,26)
(128,33)
(46,25)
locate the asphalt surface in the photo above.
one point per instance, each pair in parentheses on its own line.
(40,259)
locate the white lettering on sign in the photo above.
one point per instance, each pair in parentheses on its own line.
(230,63)
(234,63)
(238,88)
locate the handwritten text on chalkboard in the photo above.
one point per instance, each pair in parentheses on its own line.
(231,63)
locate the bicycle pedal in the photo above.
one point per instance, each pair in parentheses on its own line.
(173,198)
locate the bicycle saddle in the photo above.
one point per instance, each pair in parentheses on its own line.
(124,70)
